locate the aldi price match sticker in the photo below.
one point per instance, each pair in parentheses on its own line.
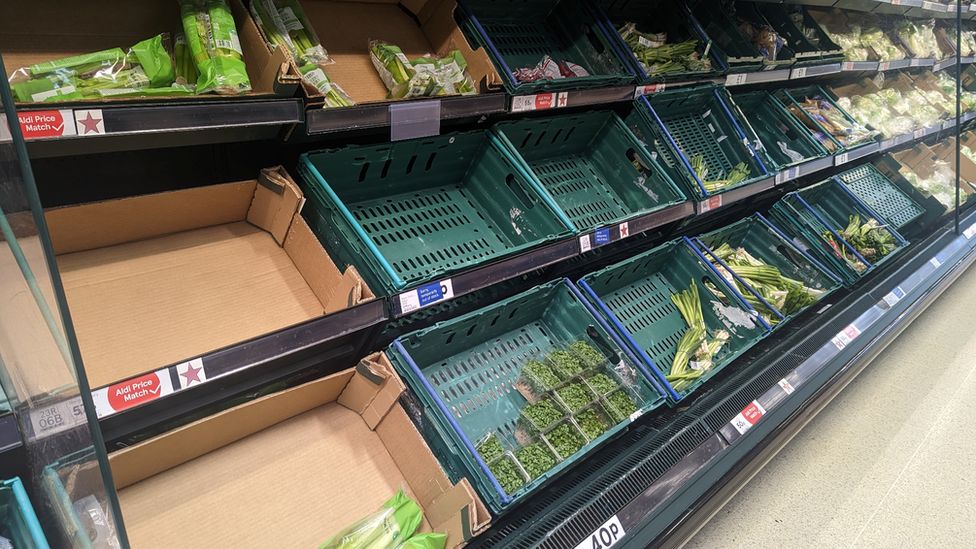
(132,392)
(749,416)
(846,336)
(607,535)
(428,294)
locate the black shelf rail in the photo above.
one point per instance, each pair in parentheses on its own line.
(319,121)
(657,484)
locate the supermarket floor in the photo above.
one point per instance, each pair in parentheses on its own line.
(889,463)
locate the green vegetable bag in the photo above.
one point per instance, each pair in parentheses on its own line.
(395,522)
(430,540)
(212,38)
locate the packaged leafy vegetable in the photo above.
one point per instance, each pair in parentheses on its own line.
(211,36)
(427,76)
(394,523)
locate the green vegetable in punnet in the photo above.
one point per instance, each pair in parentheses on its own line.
(592,422)
(588,355)
(211,35)
(540,375)
(565,363)
(398,519)
(507,474)
(536,459)
(542,414)
(566,439)
(621,405)
(575,396)
(601,384)
(306,42)
(490,448)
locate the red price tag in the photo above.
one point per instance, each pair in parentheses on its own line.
(749,416)
(133,392)
(710,203)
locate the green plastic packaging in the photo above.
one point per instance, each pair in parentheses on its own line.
(394,523)
(154,58)
(212,38)
(430,540)
(80,64)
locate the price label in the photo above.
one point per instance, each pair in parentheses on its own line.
(539,102)
(709,204)
(970,232)
(57,417)
(919,133)
(884,66)
(787,175)
(135,391)
(624,229)
(798,73)
(841,159)
(786,386)
(47,124)
(915,62)
(585,245)
(847,66)
(648,89)
(425,295)
(749,416)
(601,237)
(607,535)
(894,296)
(735,79)
(846,336)
(935,262)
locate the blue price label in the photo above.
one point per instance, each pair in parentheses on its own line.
(601,236)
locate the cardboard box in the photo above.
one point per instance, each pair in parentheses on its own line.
(290,469)
(921,158)
(157,279)
(945,150)
(418,27)
(43,30)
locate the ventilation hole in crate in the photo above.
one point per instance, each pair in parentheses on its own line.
(362,172)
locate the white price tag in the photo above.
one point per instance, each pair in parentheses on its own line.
(894,296)
(970,232)
(749,416)
(787,175)
(841,159)
(735,79)
(425,295)
(847,66)
(648,89)
(539,102)
(786,386)
(798,73)
(709,204)
(624,229)
(846,336)
(605,536)
(57,417)
(585,244)
(935,262)
(884,66)
(919,133)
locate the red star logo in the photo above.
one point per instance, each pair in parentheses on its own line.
(90,123)
(192,374)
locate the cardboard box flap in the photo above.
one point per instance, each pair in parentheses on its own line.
(458,513)
(111,222)
(276,201)
(375,391)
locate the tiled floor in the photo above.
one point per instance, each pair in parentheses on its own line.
(891,462)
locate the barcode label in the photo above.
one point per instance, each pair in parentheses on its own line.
(894,296)
(787,175)
(735,79)
(841,159)
(786,386)
(935,262)
(539,102)
(648,89)
(57,417)
(585,245)
(798,73)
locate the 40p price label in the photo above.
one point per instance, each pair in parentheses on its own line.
(607,535)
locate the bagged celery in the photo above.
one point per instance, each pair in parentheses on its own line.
(111,72)
(426,76)
(212,38)
(430,540)
(334,95)
(394,523)
(186,69)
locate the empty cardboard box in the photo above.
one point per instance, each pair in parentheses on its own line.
(158,279)
(290,469)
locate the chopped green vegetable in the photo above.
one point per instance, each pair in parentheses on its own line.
(601,384)
(490,448)
(566,439)
(575,396)
(592,422)
(536,459)
(542,414)
(565,363)
(621,405)
(507,474)
(540,375)
(588,355)
(738,174)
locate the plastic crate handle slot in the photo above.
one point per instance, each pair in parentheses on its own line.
(674,145)
(707,251)
(839,238)
(450,418)
(515,185)
(676,396)
(735,293)
(646,160)
(741,133)
(624,347)
(786,240)
(869,210)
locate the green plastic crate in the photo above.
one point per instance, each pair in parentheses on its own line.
(676,125)
(785,141)
(412,211)
(635,295)
(795,97)
(881,195)
(18,522)
(518,34)
(806,38)
(809,214)
(591,166)
(469,374)
(763,241)
(729,43)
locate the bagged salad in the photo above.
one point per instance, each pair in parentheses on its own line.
(426,76)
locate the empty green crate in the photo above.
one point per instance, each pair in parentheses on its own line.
(786,142)
(794,99)
(660,17)
(678,125)
(729,43)
(811,214)
(766,243)
(635,295)
(475,377)
(591,166)
(881,195)
(518,34)
(18,522)
(412,211)
(805,37)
